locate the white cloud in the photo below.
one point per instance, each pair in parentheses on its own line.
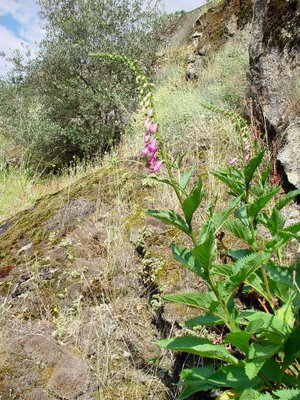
(25,12)
(178,5)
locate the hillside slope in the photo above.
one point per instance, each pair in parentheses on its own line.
(82,271)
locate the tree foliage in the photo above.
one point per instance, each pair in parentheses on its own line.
(65,103)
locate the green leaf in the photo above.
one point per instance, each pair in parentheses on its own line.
(287,314)
(295,228)
(282,275)
(252,367)
(206,301)
(170,217)
(199,346)
(281,238)
(232,182)
(239,339)
(186,258)
(263,322)
(292,347)
(218,218)
(185,178)
(239,253)
(195,380)
(259,203)
(205,251)
(206,319)
(276,221)
(233,376)
(202,300)
(257,284)
(251,167)
(249,394)
(192,202)
(241,214)
(245,266)
(284,394)
(287,198)
(236,227)
(262,351)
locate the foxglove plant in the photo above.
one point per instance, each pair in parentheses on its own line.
(261,347)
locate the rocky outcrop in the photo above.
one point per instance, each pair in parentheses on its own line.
(274,75)
(213,28)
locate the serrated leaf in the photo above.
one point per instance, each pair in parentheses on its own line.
(205,251)
(256,282)
(249,394)
(292,347)
(186,258)
(287,198)
(262,201)
(192,202)
(253,367)
(199,346)
(239,253)
(194,380)
(185,178)
(276,221)
(218,218)
(236,227)
(281,238)
(263,322)
(262,351)
(170,217)
(239,339)
(283,275)
(202,300)
(246,266)
(287,314)
(241,215)
(284,394)
(233,376)
(251,167)
(232,182)
(206,319)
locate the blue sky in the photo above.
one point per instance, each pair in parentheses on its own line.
(20,24)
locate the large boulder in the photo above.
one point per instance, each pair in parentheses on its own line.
(275,77)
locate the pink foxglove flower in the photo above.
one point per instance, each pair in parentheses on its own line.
(148,124)
(233,161)
(153,159)
(155,167)
(247,156)
(145,150)
(154,128)
(152,147)
(150,113)
(147,137)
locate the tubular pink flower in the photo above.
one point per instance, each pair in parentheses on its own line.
(147,137)
(233,161)
(153,159)
(155,167)
(152,147)
(154,128)
(150,113)
(145,150)
(247,157)
(148,124)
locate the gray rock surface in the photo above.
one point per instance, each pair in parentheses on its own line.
(70,377)
(274,71)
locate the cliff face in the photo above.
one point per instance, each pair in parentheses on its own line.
(213,28)
(274,75)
